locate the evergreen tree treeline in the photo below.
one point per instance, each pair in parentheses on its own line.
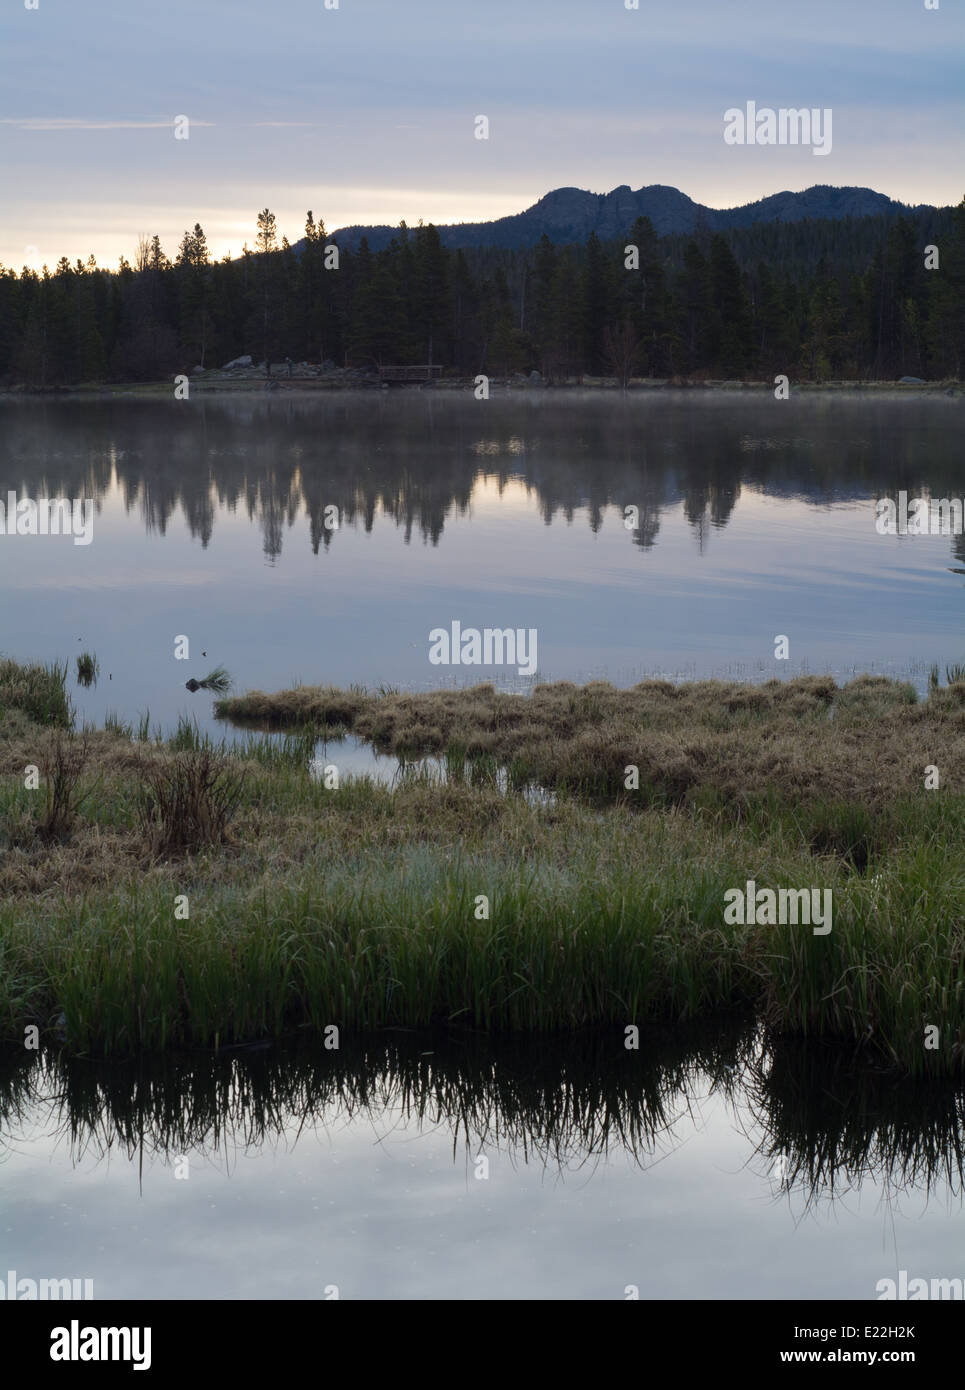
(848,299)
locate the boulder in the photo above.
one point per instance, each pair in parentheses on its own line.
(237,362)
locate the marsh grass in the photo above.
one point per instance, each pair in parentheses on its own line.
(864,742)
(357,905)
(188,737)
(217,680)
(188,802)
(294,750)
(62,763)
(120,728)
(39,691)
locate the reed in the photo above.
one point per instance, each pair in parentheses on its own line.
(120,728)
(217,680)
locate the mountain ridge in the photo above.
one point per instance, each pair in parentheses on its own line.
(571,214)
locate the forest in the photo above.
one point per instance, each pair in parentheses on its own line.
(872,298)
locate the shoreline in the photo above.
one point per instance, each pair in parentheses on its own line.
(218,384)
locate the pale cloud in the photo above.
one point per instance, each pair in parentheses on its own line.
(57,123)
(365,114)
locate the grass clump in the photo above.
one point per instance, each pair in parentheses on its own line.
(62,763)
(217,680)
(188,801)
(322,706)
(120,728)
(39,690)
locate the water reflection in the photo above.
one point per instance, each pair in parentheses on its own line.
(817,1125)
(419,461)
(831,1124)
(753,518)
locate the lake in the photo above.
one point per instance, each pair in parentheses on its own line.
(702,1166)
(755,519)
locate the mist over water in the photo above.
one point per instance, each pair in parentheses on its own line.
(754,518)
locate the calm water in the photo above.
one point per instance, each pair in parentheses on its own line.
(755,518)
(693,1168)
(689,1169)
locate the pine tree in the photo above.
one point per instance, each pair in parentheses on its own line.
(730,318)
(694,308)
(595,306)
(266,242)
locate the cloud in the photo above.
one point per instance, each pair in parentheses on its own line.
(85,123)
(377,101)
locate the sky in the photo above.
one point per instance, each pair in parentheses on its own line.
(367,112)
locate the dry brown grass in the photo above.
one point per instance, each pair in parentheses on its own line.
(62,763)
(807,739)
(188,801)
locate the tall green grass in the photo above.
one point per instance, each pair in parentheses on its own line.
(358,906)
(38,690)
(365,946)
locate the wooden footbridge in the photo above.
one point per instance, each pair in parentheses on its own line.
(403,376)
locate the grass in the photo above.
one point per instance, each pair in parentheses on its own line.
(62,762)
(361,906)
(188,802)
(864,742)
(217,680)
(38,691)
(88,669)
